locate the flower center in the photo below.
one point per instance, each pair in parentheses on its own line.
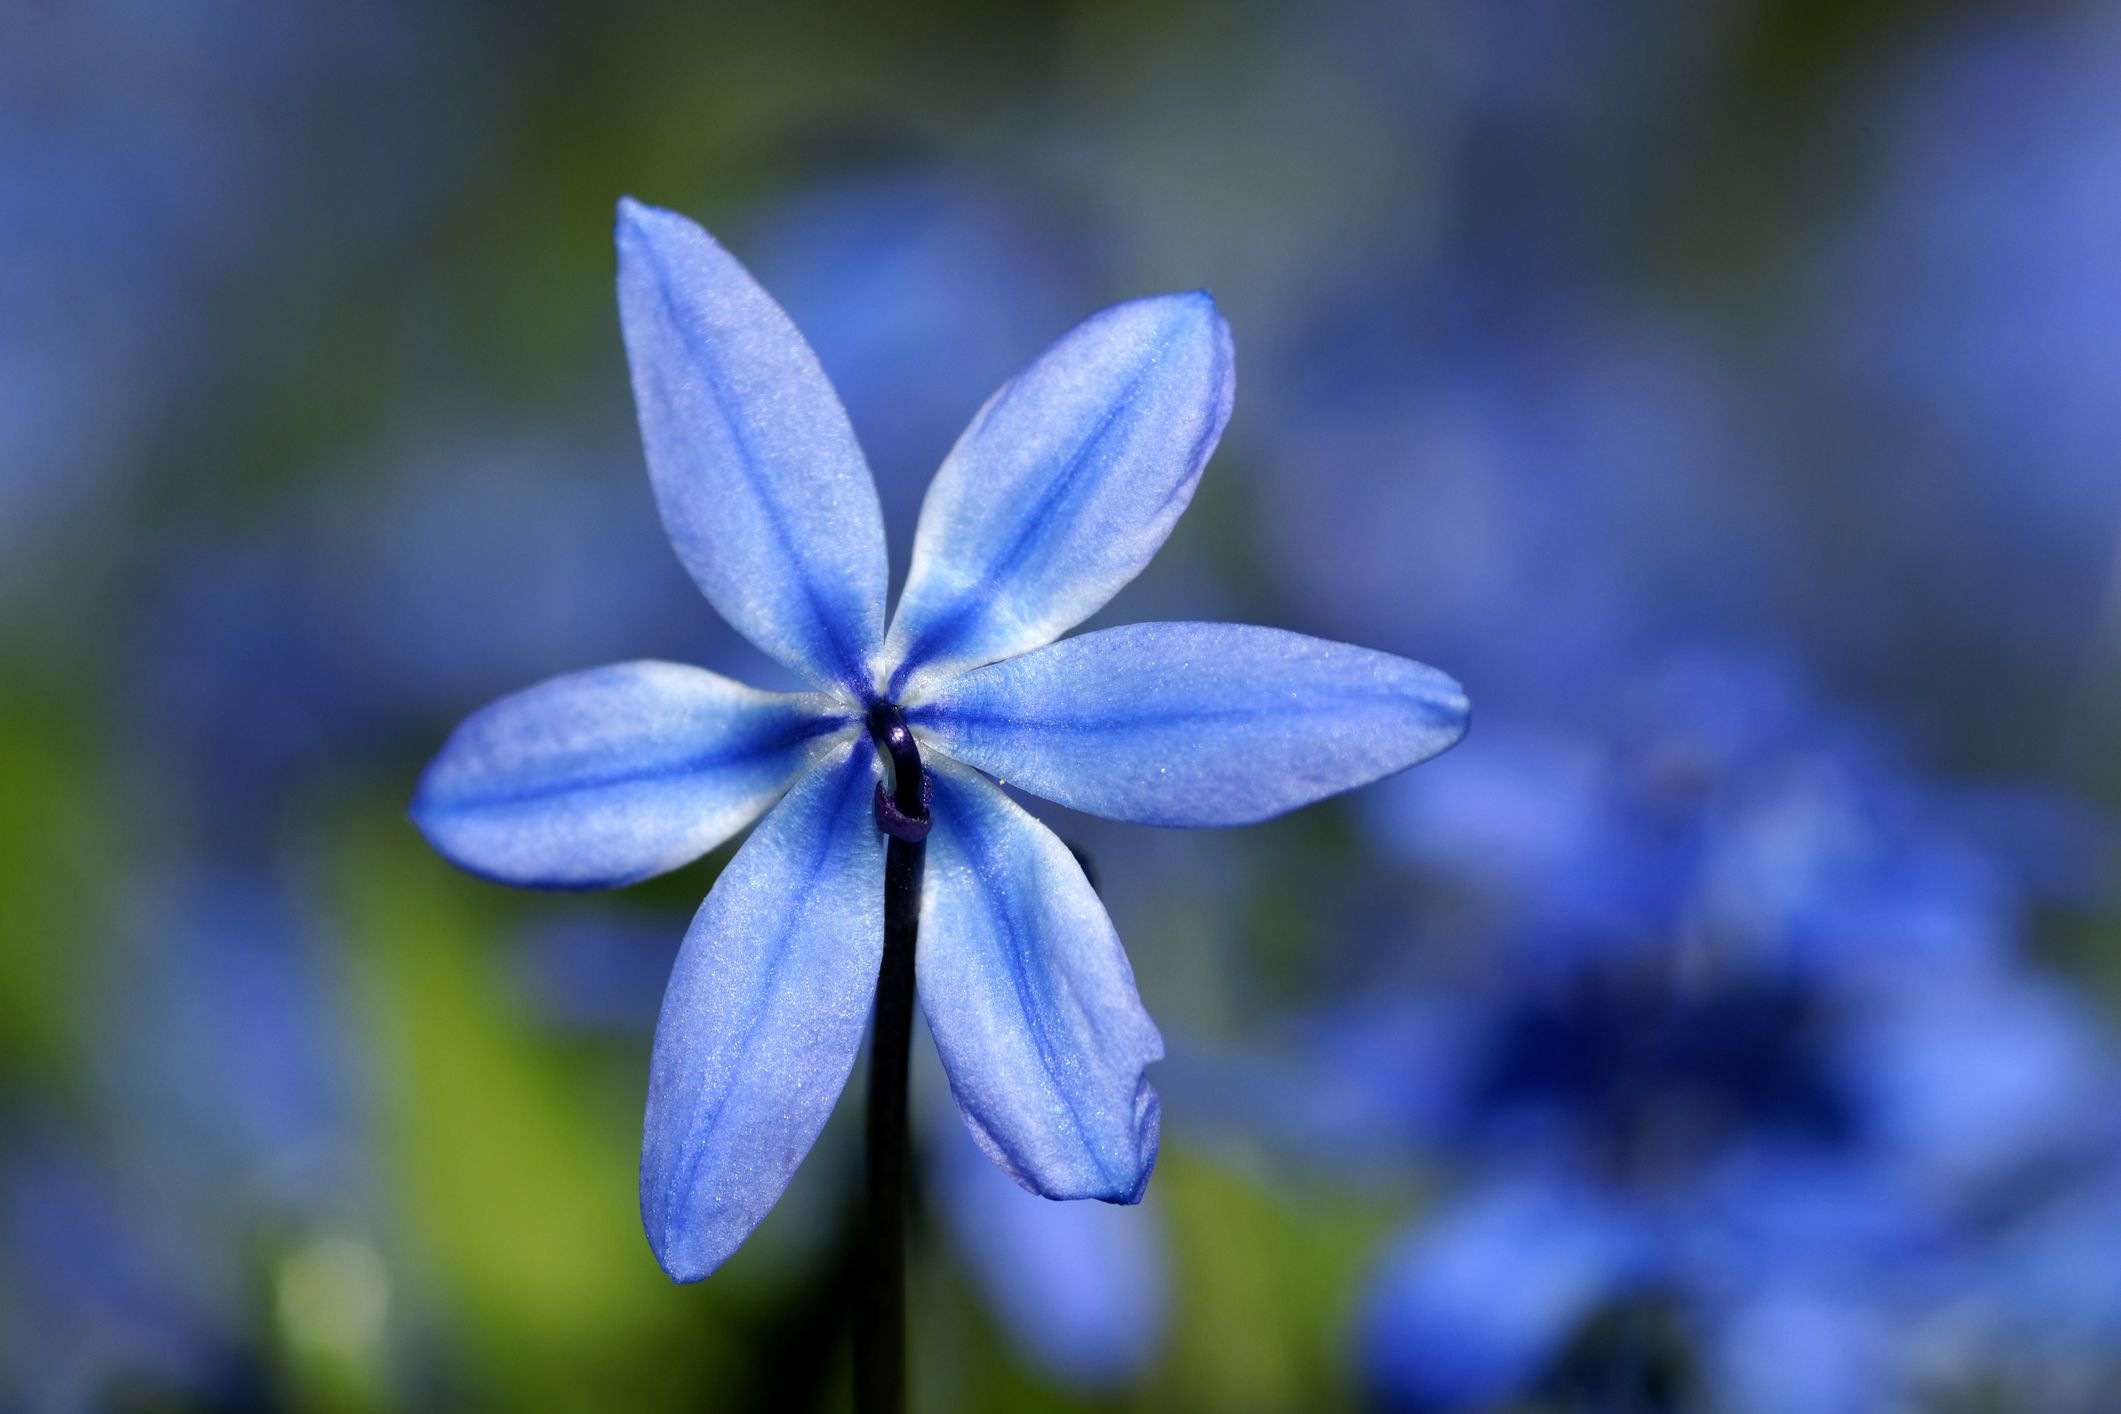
(903,796)
(1667,1075)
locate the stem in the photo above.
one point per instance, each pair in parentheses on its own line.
(880,1302)
(880,1293)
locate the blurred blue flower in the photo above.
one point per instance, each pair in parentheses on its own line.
(160,167)
(1970,300)
(489,553)
(1466,1314)
(2044,1330)
(1713,794)
(1536,488)
(1569,66)
(1082,1288)
(1979,293)
(228,1061)
(1710,1150)
(1733,1056)
(222,1142)
(601,970)
(243,686)
(109,1299)
(918,289)
(1062,489)
(301,649)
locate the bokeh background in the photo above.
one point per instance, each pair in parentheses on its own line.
(1728,393)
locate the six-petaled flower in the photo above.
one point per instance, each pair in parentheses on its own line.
(1063,487)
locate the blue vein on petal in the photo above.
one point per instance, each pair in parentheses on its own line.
(684,1177)
(951,626)
(943,715)
(849,662)
(726,754)
(985,867)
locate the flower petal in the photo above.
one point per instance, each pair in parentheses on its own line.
(1467,1310)
(764,1015)
(1031,1001)
(604,777)
(761,485)
(1064,486)
(1194,724)
(1800,1352)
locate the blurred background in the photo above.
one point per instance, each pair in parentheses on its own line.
(1728,393)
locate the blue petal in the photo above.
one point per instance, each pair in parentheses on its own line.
(1064,486)
(765,1011)
(1467,1310)
(762,487)
(603,777)
(1031,1001)
(1194,724)
(1082,1287)
(1801,1352)
(1969,1115)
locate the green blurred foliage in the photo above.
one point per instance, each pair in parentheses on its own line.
(56,833)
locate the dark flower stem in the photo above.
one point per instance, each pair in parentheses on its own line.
(880,1289)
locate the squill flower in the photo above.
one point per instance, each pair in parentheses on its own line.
(1061,490)
(1747,1083)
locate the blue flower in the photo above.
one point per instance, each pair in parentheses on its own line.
(217,1143)
(157,169)
(919,288)
(1963,314)
(109,1292)
(1064,486)
(1735,1071)
(1760,1161)
(1460,1316)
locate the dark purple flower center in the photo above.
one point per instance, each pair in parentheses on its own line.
(1661,1070)
(903,796)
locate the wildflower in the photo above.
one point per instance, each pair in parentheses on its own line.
(1757,1112)
(1739,1074)
(1064,486)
